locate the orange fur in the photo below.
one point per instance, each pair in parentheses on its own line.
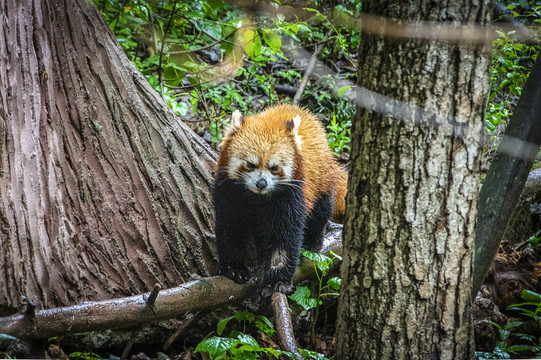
(273,133)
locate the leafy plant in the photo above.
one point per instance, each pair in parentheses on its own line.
(239,345)
(303,295)
(322,263)
(309,354)
(530,308)
(84,355)
(339,135)
(242,347)
(511,63)
(532,299)
(502,349)
(245,318)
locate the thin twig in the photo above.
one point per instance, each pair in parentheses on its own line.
(182,329)
(309,70)
(203,47)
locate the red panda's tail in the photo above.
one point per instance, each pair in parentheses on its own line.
(340,196)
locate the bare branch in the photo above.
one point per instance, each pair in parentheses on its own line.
(284,326)
(204,47)
(309,69)
(205,293)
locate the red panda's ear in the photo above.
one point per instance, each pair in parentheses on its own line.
(237,120)
(293,125)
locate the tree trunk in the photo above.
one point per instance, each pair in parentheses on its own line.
(104,192)
(412,201)
(507,175)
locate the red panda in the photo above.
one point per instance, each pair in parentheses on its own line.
(277,183)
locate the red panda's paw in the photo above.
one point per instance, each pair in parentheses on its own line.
(237,273)
(279,286)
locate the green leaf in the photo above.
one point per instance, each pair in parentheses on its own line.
(307,354)
(221,325)
(516,348)
(248,340)
(315,256)
(215,346)
(343,90)
(335,283)
(302,297)
(265,325)
(529,295)
(293,28)
(252,43)
(275,353)
(244,315)
(272,39)
(216,4)
(512,325)
(335,255)
(214,29)
(518,306)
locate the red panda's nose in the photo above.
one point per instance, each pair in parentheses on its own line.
(261,183)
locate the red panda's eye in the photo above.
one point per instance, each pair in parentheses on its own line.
(274,168)
(250,166)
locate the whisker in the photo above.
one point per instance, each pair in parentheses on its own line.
(296,186)
(296,182)
(291,180)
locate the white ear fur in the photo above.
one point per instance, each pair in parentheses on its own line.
(237,119)
(294,127)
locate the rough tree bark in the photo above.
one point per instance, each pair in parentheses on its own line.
(103,191)
(408,233)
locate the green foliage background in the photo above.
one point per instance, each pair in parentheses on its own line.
(207,57)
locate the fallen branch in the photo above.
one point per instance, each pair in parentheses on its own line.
(131,312)
(128,312)
(284,326)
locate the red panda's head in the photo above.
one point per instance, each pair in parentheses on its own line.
(261,151)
